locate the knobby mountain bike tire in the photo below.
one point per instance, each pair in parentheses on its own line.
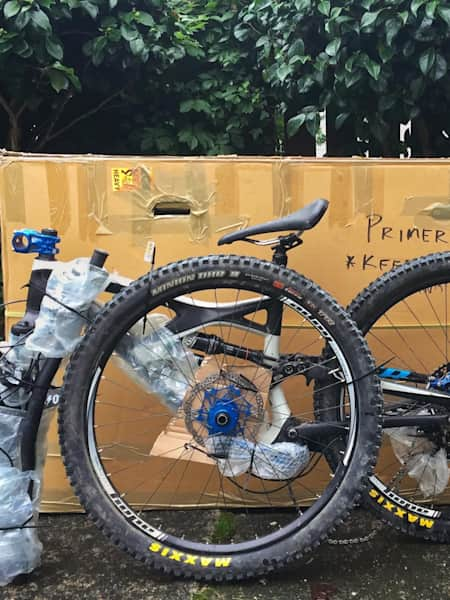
(404,315)
(134,462)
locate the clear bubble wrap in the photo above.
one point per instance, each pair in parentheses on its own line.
(278,461)
(14,363)
(157,361)
(424,462)
(74,284)
(20,548)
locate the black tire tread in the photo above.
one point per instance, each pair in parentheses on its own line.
(365,309)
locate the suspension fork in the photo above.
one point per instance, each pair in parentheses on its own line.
(33,415)
(41,270)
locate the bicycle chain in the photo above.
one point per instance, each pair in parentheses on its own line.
(357,540)
(378,524)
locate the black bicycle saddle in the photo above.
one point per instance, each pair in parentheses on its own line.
(305,218)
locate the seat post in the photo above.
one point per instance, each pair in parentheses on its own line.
(285,243)
(280,255)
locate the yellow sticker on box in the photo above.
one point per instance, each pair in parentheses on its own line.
(125,179)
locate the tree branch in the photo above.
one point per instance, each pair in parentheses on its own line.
(41,143)
(7,108)
(21,109)
(86,115)
(14,130)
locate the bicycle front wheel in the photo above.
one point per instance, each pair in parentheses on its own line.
(174,405)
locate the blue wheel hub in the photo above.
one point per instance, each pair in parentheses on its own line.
(224,411)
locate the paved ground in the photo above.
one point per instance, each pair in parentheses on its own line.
(79,564)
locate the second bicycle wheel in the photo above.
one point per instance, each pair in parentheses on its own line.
(405,316)
(174,402)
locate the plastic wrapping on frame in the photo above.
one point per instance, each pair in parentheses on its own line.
(279,461)
(20,547)
(423,463)
(158,362)
(15,361)
(74,285)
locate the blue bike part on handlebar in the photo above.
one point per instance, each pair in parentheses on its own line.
(27,241)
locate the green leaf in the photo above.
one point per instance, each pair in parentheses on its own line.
(336,11)
(404,16)
(313,125)
(283,72)
(426,60)
(439,68)
(187,136)
(72,77)
(294,124)
(297,48)
(392,27)
(431,8)
(369,18)
(340,120)
(144,18)
(5,47)
(113,3)
(333,47)
(415,5)
(22,48)
(241,32)
(128,32)
(302,5)
(408,48)
(40,19)
(58,80)
(372,67)
(54,48)
(352,78)
(11,9)
(304,84)
(22,19)
(186,106)
(97,53)
(385,52)
(137,45)
(201,106)
(444,13)
(91,9)
(324,7)
(262,41)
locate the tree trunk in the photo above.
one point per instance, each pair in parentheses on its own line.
(14,135)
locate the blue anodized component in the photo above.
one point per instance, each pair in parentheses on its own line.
(27,241)
(441,383)
(389,373)
(221,415)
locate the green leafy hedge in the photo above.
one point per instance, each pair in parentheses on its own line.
(217,76)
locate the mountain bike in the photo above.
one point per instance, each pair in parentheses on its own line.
(404,315)
(198,386)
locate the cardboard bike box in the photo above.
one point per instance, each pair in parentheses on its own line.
(381,212)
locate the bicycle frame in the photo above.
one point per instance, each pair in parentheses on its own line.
(190,318)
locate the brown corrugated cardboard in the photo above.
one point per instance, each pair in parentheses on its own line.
(381,212)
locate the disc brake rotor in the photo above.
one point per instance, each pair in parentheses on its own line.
(223,403)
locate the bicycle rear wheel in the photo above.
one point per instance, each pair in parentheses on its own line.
(405,317)
(239,341)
